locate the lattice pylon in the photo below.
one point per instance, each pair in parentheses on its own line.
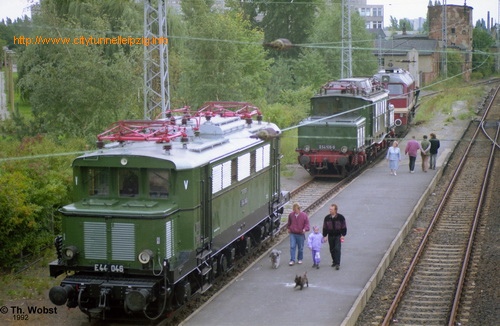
(156,78)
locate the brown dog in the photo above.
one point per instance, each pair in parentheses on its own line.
(301,281)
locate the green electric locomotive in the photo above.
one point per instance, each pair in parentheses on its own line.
(163,207)
(349,123)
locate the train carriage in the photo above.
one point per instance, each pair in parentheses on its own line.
(165,206)
(349,122)
(403,95)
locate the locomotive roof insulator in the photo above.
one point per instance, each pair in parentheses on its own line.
(172,121)
(99,144)
(184,141)
(249,121)
(259,118)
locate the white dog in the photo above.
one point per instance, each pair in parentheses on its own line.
(275,258)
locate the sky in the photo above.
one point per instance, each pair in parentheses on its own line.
(14,8)
(397,8)
(412,9)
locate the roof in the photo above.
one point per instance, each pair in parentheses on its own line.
(205,142)
(401,46)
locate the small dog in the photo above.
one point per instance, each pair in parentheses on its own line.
(301,281)
(275,258)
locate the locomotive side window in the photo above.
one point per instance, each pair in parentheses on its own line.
(98,182)
(158,183)
(128,182)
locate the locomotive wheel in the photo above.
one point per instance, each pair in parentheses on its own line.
(248,244)
(222,265)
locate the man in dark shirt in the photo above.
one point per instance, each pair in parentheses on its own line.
(434,150)
(334,230)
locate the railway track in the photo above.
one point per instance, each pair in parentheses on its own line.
(317,191)
(431,290)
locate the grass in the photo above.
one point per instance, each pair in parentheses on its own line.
(288,146)
(444,101)
(31,283)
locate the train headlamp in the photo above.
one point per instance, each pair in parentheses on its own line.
(145,256)
(343,149)
(69,253)
(307,148)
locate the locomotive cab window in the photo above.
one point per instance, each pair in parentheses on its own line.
(128,182)
(158,183)
(395,89)
(98,182)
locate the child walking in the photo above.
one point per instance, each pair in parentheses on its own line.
(314,242)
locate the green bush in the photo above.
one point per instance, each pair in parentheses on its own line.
(35,180)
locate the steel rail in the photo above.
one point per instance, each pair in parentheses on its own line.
(416,258)
(470,242)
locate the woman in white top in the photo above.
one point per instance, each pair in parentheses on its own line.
(394,157)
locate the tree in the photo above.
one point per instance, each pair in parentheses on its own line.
(77,89)
(405,24)
(394,23)
(483,61)
(328,45)
(223,60)
(288,19)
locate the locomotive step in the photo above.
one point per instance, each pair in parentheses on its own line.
(205,270)
(203,255)
(205,287)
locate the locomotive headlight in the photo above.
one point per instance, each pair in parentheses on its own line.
(343,149)
(69,253)
(307,148)
(145,256)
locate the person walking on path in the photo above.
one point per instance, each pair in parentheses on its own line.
(411,150)
(334,230)
(394,157)
(434,150)
(314,242)
(425,147)
(298,225)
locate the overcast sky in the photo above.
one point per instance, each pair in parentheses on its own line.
(412,9)
(397,8)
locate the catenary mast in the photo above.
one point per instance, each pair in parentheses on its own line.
(156,78)
(346,56)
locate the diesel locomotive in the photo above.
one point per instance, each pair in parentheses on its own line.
(350,123)
(403,95)
(164,207)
